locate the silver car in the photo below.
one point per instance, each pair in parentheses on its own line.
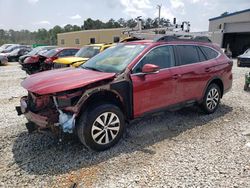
(3,59)
(244,59)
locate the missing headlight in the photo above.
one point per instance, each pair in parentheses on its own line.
(68,98)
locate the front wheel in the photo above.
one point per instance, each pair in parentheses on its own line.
(211,99)
(101,127)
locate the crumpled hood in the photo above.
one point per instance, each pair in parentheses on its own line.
(70,60)
(59,80)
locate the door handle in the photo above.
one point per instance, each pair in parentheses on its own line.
(176,76)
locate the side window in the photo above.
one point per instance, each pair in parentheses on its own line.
(77,41)
(162,56)
(116,39)
(62,41)
(92,40)
(73,52)
(65,53)
(201,55)
(210,53)
(187,54)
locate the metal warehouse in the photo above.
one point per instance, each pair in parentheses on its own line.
(81,38)
(233,30)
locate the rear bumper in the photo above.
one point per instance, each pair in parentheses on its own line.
(40,121)
(244,62)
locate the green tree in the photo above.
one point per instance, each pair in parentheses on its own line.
(131,23)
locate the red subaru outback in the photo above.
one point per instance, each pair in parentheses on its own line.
(125,82)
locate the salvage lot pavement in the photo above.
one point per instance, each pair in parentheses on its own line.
(184,148)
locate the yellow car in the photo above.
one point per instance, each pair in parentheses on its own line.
(83,55)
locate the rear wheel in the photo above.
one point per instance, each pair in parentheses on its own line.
(238,63)
(246,87)
(101,127)
(211,99)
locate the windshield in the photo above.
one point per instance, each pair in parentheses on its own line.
(15,51)
(88,51)
(247,52)
(12,47)
(5,46)
(51,53)
(35,51)
(114,59)
(44,50)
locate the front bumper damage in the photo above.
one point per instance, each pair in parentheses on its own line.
(57,122)
(56,112)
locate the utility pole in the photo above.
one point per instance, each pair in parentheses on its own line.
(159,19)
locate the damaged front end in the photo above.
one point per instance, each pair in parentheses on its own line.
(50,111)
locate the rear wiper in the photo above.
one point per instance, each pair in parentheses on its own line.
(92,68)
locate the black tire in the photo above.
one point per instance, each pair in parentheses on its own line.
(238,63)
(88,126)
(31,127)
(245,87)
(213,92)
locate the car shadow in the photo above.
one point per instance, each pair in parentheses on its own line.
(39,153)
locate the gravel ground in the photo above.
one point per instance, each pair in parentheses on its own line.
(171,149)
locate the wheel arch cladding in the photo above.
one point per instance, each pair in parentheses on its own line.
(218,82)
(103,96)
(124,88)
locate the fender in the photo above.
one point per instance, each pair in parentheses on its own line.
(104,89)
(209,82)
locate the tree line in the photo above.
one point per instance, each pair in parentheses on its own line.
(49,37)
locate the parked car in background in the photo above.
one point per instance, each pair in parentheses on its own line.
(42,62)
(122,83)
(7,50)
(5,46)
(244,59)
(15,54)
(13,47)
(3,59)
(83,55)
(38,50)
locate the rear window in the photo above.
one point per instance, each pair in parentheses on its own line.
(210,53)
(187,54)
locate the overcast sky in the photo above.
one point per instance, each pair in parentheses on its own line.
(34,14)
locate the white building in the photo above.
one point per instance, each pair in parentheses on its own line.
(232,29)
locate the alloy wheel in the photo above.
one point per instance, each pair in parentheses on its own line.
(212,99)
(105,128)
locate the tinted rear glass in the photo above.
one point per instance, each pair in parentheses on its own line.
(201,55)
(210,53)
(187,54)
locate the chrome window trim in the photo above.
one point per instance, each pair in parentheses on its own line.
(219,54)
